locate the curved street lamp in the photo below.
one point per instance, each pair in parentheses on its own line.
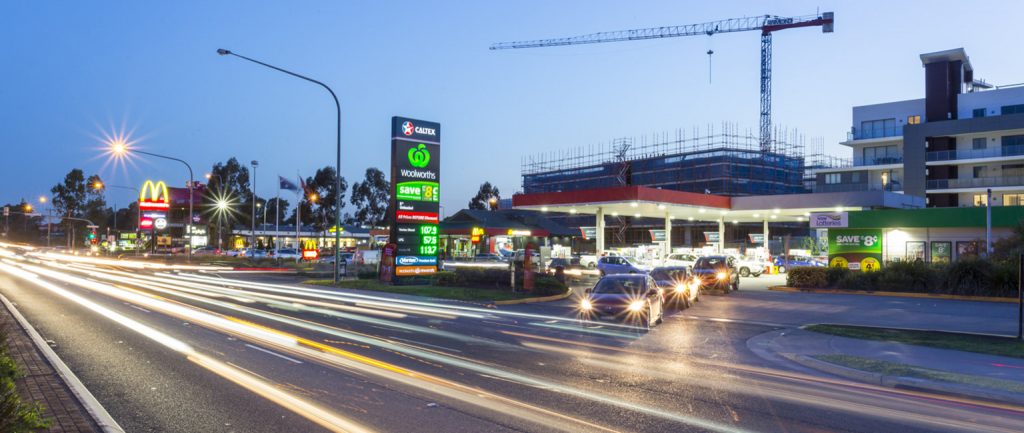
(337,167)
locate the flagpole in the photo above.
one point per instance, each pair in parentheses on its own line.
(298,212)
(277,217)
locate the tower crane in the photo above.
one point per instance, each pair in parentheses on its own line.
(767,24)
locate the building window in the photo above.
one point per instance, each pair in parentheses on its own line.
(881,155)
(913,120)
(979,172)
(978,143)
(855,177)
(1013,199)
(878,128)
(1012,109)
(1013,140)
(979,112)
(1013,170)
(981,199)
(833,178)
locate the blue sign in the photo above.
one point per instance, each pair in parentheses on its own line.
(416,261)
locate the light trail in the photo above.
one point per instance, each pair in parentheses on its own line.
(303,408)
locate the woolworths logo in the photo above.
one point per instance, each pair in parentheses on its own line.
(419,156)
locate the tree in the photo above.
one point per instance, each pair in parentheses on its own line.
(371,198)
(69,200)
(329,200)
(487,195)
(228,181)
(95,208)
(23,223)
(276,209)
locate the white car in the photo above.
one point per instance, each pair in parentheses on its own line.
(680,259)
(750,266)
(286,254)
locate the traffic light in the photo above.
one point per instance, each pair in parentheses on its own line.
(92,237)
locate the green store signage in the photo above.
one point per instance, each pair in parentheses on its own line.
(855,249)
(418,191)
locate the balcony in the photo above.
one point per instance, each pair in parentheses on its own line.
(859,161)
(991,152)
(869,133)
(846,187)
(981,182)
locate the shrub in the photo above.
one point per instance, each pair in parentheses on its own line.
(968,277)
(859,281)
(16,416)
(834,274)
(547,285)
(446,278)
(807,277)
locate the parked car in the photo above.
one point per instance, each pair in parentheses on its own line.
(716,272)
(589,261)
(489,258)
(558,262)
(628,297)
(785,262)
(612,265)
(675,282)
(751,266)
(680,259)
(286,254)
(207,250)
(346,257)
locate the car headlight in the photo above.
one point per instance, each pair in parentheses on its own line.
(636,305)
(680,288)
(720,275)
(586,305)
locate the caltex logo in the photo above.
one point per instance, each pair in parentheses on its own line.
(408,128)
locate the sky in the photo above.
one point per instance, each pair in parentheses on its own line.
(75,72)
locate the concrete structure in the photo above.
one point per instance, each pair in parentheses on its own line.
(964,138)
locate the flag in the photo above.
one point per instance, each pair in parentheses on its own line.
(287,184)
(302,183)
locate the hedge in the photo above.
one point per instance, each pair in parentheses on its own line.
(964,277)
(497,279)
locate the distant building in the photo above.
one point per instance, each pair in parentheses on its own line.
(964,138)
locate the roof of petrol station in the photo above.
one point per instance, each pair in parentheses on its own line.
(504,222)
(646,202)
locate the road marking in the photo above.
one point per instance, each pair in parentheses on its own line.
(270,352)
(420,343)
(139,308)
(742,322)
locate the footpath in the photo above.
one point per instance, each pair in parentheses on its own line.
(41,382)
(897,365)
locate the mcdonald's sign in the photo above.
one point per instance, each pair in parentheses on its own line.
(154,196)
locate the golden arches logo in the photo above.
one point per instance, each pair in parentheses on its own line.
(157,191)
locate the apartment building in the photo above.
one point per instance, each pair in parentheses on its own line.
(963,138)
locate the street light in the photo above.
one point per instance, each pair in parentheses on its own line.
(120,148)
(252,246)
(138,209)
(337,166)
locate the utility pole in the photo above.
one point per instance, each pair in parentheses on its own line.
(252,246)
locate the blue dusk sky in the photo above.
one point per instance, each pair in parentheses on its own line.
(75,71)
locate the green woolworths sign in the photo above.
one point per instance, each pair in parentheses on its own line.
(855,249)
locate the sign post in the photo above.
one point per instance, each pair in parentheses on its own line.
(415,196)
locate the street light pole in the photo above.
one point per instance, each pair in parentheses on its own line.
(337,167)
(252,245)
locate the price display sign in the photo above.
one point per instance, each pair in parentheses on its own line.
(416,179)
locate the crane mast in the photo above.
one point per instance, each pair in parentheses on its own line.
(766,24)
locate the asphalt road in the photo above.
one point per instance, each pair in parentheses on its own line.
(187,351)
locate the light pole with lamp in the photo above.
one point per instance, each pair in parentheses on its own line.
(252,245)
(337,167)
(138,208)
(120,148)
(49,210)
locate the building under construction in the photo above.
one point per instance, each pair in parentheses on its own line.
(722,162)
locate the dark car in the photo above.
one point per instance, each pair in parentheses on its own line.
(675,282)
(629,297)
(716,272)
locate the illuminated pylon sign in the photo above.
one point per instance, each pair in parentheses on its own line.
(154,202)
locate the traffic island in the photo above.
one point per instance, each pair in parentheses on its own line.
(468,294)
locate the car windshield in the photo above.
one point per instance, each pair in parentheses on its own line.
(668,274)
(626,286)
(709,262)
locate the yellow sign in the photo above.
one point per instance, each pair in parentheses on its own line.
(154,196)
(512,232)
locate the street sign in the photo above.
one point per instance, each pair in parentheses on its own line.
(7,210)
(416,180)
(160,223)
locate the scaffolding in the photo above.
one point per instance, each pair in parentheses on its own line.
(720,160)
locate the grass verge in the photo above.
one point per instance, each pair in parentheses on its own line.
(445,292)
(16,416)
(990,345)
(902,370)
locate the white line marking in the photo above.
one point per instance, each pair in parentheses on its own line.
(273,353)
(139,308)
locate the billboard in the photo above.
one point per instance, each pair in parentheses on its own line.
(154,203)
(826,220)
(415,195)
(855,249)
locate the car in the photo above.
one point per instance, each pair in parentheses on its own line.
(611,265)
(346,257)
(751,266)
(589,261)
(489,258)
(679,289)
(206,250)
(786,262)
(558,262)
(238,252)
(716,272)
(680,259)
(630,297)
(286,254)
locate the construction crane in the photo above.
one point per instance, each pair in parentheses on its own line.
(766,24)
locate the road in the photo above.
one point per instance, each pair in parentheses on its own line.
(185,350)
